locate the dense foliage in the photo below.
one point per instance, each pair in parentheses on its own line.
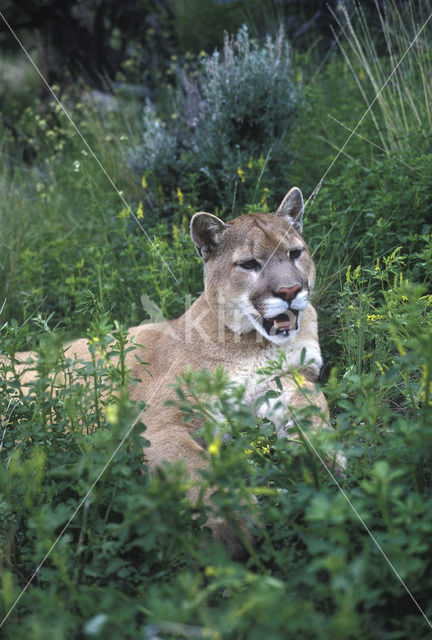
(112,551)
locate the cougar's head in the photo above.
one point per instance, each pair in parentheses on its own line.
(258,269)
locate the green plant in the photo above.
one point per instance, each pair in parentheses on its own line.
(403,101)
(240,106)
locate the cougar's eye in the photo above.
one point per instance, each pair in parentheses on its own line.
(294,254)
(249,264)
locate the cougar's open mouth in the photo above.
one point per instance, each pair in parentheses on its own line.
(282,324)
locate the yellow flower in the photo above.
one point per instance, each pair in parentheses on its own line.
(111,413)
(144,182)
(351,277)
(140,213)
(299,379)
(348,274)
(215,447)
(428,299)
(264,196)
(380,367)
(240,174)
(400,348)
(180,196)
(426,389)
(260,445)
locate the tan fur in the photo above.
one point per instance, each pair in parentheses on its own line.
(215,332)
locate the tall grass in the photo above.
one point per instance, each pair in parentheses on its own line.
(404,103)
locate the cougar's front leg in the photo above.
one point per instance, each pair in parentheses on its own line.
(171,441)
(285,411)
(295,395)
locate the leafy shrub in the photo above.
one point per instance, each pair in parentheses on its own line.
(158,148)
(240,106)
(249,102)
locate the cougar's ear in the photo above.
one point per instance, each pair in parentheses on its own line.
(292,207)
(206,231)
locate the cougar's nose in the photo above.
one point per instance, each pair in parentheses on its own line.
(288,293)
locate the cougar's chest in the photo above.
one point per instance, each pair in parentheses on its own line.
(247,372)
(298,353)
